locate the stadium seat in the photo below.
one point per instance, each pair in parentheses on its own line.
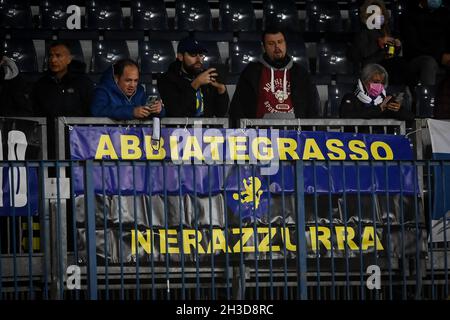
(335,94)
(425,101)
(193,15)
(332,59)
(155,56)
(75,49)
(149,15)
(241,53)
(297,50)
(15,14)
(104,14)
(213,54)
(106,52)
(53,14)
(323,16)
(22,52)
(281,13)
(237,15)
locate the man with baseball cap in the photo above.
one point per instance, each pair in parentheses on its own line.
(187,89)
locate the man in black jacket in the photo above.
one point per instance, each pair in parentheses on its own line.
(274,84)
(189,91)
(65,90)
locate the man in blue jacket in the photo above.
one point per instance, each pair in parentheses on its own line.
(119,95)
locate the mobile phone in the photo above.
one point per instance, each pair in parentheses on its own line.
(151,100)
(398,97)
(221,70)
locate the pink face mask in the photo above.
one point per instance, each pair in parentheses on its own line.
(375,89)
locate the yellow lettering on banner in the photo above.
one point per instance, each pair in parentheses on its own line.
(286,236)
(214,142)
(189,240)
(246,234)
(323,236)
(105,148)
(312,150)
(264,245)
(287,146)
(340,238)
(192,149)
(170,240)
(174,148)
(387,149)
(218,242)
(146,244)
(150,151)
(368,239)
(358,147)
(130,143)
(235,148)
(336,153)
(267,151)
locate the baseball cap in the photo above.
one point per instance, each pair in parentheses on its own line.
(190,45)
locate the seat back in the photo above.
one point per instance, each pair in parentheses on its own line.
(15,14)
(241,53)
(22,52)
(332,59)
(193,15)
(106,53)
(281,13)
(322,16)
(155,56)
(53,14)
(149,15)
(237,15)
(104,14)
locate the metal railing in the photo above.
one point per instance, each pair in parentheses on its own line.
(295,274)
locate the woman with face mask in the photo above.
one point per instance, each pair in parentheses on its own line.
(370,100)
(375,43)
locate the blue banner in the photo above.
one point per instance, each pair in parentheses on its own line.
(190,149)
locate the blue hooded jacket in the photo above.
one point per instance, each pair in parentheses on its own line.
(109,100)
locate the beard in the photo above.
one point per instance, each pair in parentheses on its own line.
(193,69)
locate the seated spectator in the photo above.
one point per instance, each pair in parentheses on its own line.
(274,84)
(370,101)
(14,91)
(120,96)
(65,90)
(425,31)
(188,90)
(376,44)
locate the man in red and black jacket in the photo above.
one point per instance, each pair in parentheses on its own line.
(274,84)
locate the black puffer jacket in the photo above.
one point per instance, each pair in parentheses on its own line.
(179,97)
(70,96)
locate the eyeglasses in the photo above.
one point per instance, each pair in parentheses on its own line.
(194,55)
